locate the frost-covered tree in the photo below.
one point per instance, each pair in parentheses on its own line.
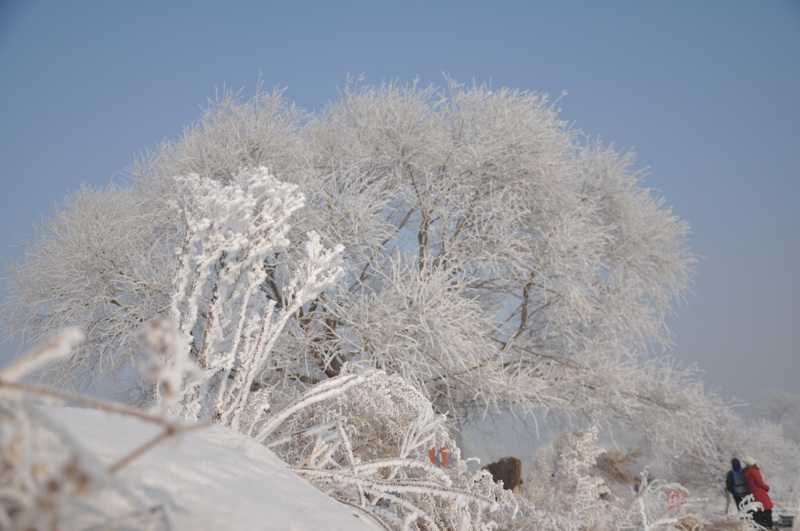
(781,408)
(493,256)
(103,263)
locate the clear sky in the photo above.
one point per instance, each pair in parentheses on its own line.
(707,93)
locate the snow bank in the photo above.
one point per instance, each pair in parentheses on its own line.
(213,478)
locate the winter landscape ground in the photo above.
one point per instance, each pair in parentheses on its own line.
(211,478)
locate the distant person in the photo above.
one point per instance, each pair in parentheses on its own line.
(736,483)
(759,489)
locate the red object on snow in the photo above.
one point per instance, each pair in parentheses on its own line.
(676,500)
(438,456)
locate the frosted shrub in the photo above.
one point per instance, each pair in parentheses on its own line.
(561,481)
(42,473)
(658,503)
(236,232)
(368,446)
(365,437)
(38,470)
(668,506)
(566,481)
(48,479)
(614,468)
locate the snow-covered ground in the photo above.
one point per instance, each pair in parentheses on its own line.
(208,479)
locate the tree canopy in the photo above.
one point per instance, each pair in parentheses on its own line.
(485,251)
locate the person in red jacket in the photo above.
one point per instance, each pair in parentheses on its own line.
(759,491)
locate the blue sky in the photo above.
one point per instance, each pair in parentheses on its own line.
(705,92)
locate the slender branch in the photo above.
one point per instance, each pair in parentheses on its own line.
(83,400)
(169,431)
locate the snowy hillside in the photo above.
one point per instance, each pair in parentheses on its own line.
(209,479)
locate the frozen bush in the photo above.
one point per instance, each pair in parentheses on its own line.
(47,479)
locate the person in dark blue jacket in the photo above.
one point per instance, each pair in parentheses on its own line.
(736,483)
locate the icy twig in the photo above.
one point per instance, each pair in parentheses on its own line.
(169,431)
(65,397)
(59,347)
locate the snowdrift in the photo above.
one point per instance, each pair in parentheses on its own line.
(210,479)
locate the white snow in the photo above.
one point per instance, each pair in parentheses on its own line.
(212,478)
